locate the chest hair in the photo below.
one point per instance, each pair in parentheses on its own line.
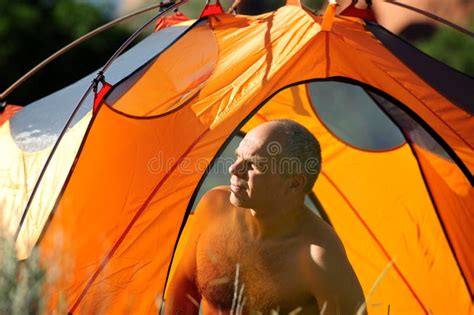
(265,270)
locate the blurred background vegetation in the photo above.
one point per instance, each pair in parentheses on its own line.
(31,30)
(451,47)
(20,282)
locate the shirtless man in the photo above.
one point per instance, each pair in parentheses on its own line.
(255,247)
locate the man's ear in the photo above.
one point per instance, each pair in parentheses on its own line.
(297,183)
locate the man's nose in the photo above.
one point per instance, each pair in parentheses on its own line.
(237,168)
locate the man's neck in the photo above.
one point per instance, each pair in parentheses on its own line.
(276,222)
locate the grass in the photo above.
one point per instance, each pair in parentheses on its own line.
(20,281)
(238,301)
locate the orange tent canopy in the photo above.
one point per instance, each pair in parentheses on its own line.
(396,181)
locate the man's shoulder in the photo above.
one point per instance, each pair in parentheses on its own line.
(324,244)
(219,194)
(328,272)
(214,201)
(220,189)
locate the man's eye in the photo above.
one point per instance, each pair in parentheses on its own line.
(255,166)
(250,164)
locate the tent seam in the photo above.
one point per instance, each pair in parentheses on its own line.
(428,189)
(374,237)
(110,254)
(425,105)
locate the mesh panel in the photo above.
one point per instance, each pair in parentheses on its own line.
(410,127)
(351,115)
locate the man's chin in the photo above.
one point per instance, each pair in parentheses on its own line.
(235,201)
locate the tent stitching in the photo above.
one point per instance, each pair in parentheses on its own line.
(428,188)
(425,105)
(109,255)
(374,237)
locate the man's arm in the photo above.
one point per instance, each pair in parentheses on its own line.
(333,281)
(182,293)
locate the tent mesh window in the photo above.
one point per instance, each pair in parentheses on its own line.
(352,116)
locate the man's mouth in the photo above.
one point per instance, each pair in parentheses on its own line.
(235,187)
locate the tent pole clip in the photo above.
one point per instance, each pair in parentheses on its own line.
(100,78)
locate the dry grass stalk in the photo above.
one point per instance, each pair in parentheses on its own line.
(362,309)
(323,308)
(192,300)
(295,311)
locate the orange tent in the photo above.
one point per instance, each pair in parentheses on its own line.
(396,129)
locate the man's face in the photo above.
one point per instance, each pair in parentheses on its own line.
(255,181)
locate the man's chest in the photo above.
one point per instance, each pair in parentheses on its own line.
(267,273)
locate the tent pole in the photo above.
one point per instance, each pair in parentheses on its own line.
(166,7)
(432,16)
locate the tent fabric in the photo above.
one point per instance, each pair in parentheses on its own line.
(19,171)
(94,267)
(180,77)
(27,139)
(451,192)
(130,188)
(129,218)
(391,76)
(151,187)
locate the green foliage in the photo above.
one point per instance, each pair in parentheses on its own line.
(20,282)
(30,31)
(451,47)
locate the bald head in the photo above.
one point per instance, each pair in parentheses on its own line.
(297,150)
(265,133)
